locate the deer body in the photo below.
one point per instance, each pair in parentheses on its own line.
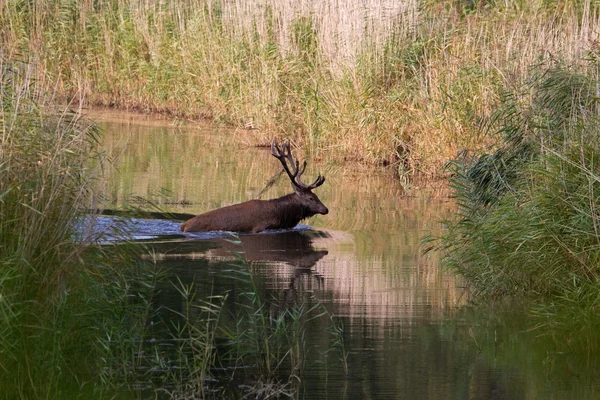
(254,216)
(257,215)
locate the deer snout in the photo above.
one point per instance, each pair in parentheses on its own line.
(324,211)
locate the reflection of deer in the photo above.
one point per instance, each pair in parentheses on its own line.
(293,248)
(258,215)
(290,247)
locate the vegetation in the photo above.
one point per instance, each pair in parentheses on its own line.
(407,86)
(260,355)
(65,308)
(404,84)
(528,212)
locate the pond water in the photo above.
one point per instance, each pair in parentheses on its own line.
(406,329)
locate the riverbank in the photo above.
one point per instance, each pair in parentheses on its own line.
(404,84)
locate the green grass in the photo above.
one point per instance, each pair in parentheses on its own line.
(67,324)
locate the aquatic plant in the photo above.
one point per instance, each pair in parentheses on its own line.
(336,329)
(196,335)
(242,345)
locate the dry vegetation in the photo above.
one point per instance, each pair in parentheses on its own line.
(378,82)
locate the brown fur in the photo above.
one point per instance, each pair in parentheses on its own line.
(258,215)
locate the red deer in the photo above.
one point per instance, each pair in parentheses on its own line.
(257,215)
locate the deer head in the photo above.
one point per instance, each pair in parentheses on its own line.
(292,167)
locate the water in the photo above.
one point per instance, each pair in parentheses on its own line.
(407,331)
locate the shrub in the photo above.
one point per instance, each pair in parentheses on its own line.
(528,224)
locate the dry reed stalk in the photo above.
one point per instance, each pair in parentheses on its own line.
(377,82)
(345,28)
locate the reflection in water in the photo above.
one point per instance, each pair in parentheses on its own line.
(373,266)
(288,256)
(362,262)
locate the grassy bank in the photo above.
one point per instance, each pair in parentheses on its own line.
(528,222)
(402,83)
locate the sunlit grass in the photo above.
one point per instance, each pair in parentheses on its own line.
(403,83)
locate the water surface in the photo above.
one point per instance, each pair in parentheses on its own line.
(406,329)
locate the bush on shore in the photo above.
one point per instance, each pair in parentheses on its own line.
(528,221)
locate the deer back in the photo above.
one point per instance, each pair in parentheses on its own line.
(257,215)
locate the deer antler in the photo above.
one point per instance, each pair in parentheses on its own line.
(284,155)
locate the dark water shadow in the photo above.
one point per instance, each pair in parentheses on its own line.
(208,262)
(293,250)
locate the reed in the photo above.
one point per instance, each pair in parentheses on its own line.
(61,304)
(527,224)
(244,344)
(401,83)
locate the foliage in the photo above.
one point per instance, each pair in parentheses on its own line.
(66,315)
(528,220)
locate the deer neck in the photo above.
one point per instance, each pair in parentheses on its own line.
(290,210)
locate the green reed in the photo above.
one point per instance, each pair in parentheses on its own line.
(257,349)
(528,221)
(65,312)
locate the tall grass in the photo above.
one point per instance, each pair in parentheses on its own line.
(528,223)
(45,180)
(377,82)
(64,311)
